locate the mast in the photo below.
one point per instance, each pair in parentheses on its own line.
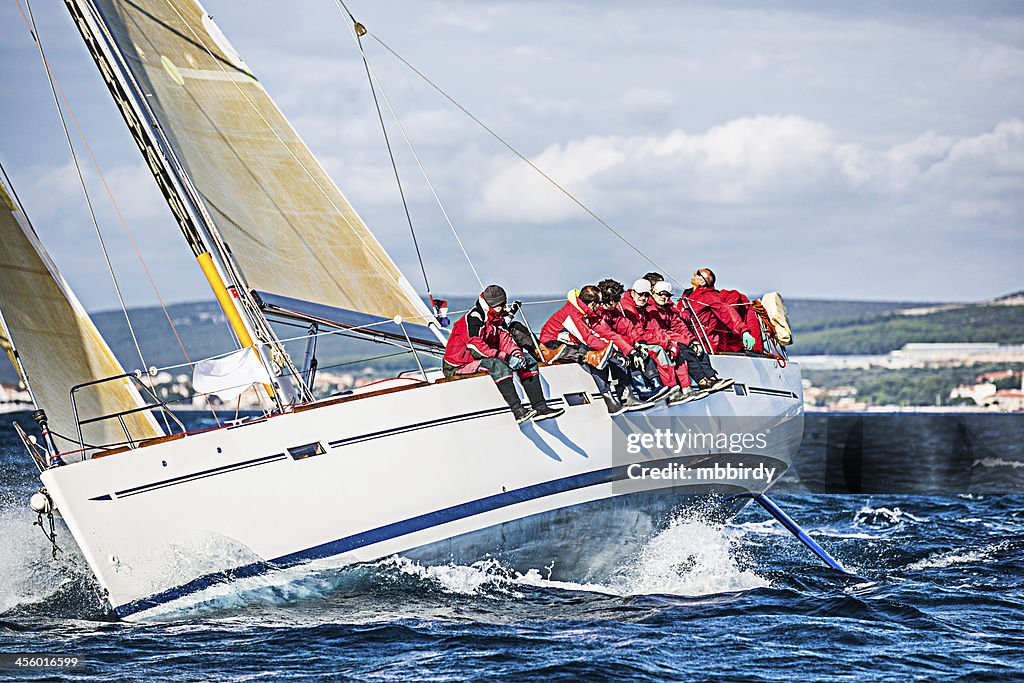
(225,279)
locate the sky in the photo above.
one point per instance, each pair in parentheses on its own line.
(869,150)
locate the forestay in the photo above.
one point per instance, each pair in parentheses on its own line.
(57,343)
(289,227)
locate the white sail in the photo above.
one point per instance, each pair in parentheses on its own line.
(57,342)
(287,224)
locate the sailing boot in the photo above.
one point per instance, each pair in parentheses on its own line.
(630,404)
(674,394)
(721,384)
(614,405)
(648,389)
(535,392)
(658,394)
(551,355)
(599,359)
(715,383)
(687,394)
(508,392)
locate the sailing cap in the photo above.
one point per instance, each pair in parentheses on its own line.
(494,296)
(663,286)
(642,286)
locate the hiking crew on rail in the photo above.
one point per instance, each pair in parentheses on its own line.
(638,345)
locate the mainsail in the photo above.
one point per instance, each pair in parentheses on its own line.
(286,223)
(57,343)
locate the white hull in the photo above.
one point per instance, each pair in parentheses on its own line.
(439,472)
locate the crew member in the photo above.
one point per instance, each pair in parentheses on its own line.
(479,341)
(641,368)
(635,325)
(745,310)
(684,349)
(572,333)
(718,319)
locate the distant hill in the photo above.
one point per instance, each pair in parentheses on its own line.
(995,321)
(820,327)
(810,315)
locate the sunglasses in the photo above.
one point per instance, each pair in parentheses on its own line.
(643,294)
(663,294)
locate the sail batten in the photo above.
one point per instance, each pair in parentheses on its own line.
(289,228)
(58,344)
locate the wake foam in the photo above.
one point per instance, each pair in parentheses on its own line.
(691,557)
(33,580)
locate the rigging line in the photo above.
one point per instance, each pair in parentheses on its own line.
(287,148)
(394,166)
(344,8)
(360,328)
(14,192)
(184,188)
(124,223)
(423,171)
(99,233)
(523,158)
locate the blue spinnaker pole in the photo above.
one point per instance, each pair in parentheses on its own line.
(794,528)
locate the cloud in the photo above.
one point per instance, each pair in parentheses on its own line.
(474,18)
(842,133)
(758,161)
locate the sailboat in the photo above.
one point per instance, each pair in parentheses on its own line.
(434,469)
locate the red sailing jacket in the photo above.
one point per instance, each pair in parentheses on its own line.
(606,328)
(635,325)
(479,334)
(741,304)
(574,323)
(670,321)
(718,318)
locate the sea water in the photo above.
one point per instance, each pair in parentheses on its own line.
(936,593)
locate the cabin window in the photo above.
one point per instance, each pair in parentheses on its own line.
(306,451)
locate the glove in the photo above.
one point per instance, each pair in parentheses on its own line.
(514,308)
(748,341)
(638,360)
(517,361)
(697,349)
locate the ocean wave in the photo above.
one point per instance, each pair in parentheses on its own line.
(998,462)
(880,518)
(942,560)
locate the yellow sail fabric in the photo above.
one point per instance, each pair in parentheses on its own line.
(57,342)
(289,227)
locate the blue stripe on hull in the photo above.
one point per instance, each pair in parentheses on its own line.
(387,532)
